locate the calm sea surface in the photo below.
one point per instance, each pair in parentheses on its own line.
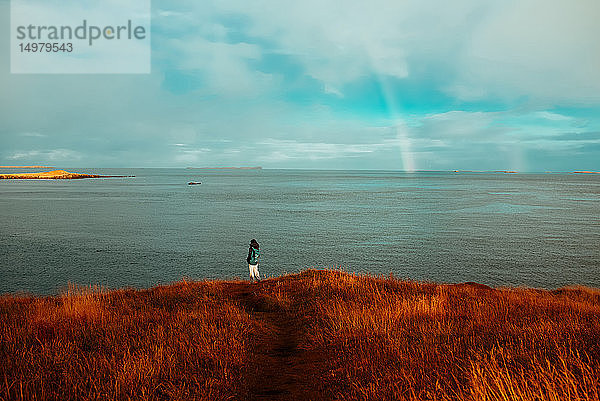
(540,230)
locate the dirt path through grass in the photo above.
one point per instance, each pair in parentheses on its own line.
(278,368)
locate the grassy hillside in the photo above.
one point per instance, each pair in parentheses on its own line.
(314,335)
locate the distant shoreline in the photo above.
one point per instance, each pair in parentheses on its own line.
(224,168)
(56,175)
(486,171)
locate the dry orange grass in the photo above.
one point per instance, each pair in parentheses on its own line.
(388,339)
(365,338)
(185,341)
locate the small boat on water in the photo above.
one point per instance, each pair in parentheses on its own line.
(194,183)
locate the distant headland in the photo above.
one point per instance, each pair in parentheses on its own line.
(485,171)
(225,168)
(56,175)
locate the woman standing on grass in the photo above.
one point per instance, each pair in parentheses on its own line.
(252,259)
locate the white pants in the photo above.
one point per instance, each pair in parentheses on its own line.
(254,272)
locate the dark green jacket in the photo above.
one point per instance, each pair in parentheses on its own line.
(253,255)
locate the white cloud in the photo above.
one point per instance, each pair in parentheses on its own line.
(332,90)
(547,51)
(458,124)
(169,13)
(191,155)
(32,134)
(336,42)
(224,66)
(276,149)
(54,155)
(553,116)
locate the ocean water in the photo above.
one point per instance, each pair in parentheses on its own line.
(539,230)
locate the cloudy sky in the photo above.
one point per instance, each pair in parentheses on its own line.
(383,84)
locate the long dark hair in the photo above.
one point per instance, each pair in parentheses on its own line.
(254,244)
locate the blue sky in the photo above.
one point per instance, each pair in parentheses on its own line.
(399,85)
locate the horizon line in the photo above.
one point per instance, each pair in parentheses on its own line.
(504,171)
